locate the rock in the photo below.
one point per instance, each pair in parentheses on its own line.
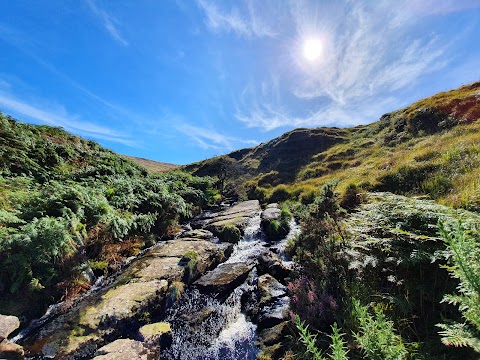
(142,288)
(224,278)
(10,351)
(272,205)
(8,324)
(271,315)
(230,224)
(273,335)
(197,234)
(271,213)
(196,318)
(270,289)
(157,334)
(122,349)
(270,263)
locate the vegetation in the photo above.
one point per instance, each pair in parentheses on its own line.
(69,207)
(380,272)
(430,147)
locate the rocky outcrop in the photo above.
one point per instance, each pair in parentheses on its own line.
(142,288)
(224,277)
(123,349)
(156,334)
(230,224)
(8,350)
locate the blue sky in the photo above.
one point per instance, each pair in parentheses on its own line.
(181,81)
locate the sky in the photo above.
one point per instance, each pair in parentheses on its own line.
(182,81)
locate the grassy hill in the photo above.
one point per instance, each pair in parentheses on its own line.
(431,147)
(70,208)
(151,165)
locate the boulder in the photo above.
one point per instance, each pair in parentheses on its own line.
(270,263)
(157,334)
(8,324)
(10,351)
(224,278)
(270,289)
(123,349)
(273,335)
(270,213)
(273,314)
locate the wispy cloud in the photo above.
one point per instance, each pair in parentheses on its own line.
(56,115)
(243,21)
(371,51)
(211,139)
(109,22)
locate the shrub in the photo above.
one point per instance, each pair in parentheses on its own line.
(279,194)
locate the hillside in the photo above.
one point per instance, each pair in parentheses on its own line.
(151,165)
(430,147)
(71,209)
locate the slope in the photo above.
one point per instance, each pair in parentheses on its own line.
(430,147)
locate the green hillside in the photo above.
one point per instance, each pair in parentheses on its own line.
(69,207)
(430,147)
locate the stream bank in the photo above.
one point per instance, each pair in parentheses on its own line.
(216,291)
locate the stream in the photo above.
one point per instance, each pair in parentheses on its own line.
(204,324)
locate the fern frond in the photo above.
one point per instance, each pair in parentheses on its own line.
(459,335)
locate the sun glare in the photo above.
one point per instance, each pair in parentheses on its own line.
(312,49)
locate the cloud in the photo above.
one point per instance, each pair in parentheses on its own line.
(244,21)
(109,22)
(211,139)
(371,52)
(57,116)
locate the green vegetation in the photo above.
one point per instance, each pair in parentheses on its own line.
(431,147)
(69,206)
(380,272)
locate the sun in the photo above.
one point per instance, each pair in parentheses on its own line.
(312,49)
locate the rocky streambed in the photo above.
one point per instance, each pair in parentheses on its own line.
(217,291)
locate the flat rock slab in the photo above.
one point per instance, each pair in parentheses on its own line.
(141,288)
(198,234)
(224,277)
(237,215)
(122,349)
(8,324)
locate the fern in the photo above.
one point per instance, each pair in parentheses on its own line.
(463,251)
(308,339)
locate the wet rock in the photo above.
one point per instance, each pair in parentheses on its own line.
(230,224)
(196,318)
(123,349)
(10,351)
(273,314)
(270,263)
(8,324)
(142,288)
(270,289)
(273,335)
(157,334)
(197,234)
(224,278)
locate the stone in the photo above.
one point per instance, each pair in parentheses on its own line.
(11,351)
(225,277)
(197,234)
(273,314)
(8,324)
(273,335)
(156,334)
(270,263)
(237,216)
(270,289)
(272,205)
(123,349)
(269,214)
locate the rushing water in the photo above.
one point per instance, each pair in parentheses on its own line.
(203,326)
